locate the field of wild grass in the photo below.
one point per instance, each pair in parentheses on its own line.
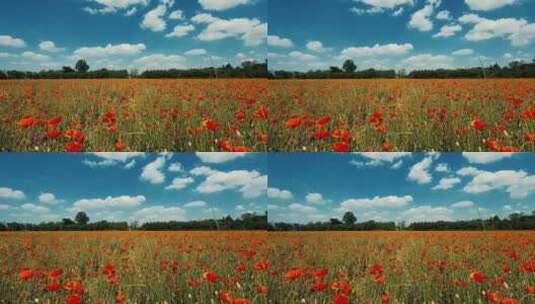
(133,115)
(133,267)
(402,267)
(402,115)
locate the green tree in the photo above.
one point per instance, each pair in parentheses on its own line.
(349,66)
(82,218)
(82,66)
(349,218)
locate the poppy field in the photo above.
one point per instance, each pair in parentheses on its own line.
(403,267)
(133,267)
(403,115)
(134,115)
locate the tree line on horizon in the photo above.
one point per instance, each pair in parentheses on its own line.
(515,221)
(253,221)
(349,70)
(81,70)
(81,222)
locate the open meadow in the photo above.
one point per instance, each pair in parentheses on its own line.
(402,115)
(133,267)
(133,115)
(402,267)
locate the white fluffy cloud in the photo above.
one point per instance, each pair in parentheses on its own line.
(485,157)
(11,193)
(391,201)
(300,208)
(181,31)
(316,46)
(110,50)
(391,4)
(34,208)
(447,183)
(442,168)
(251,184)
(419,172)
(47,198)
(443,15)
(276,193)
(517,183)
(6,40)
(153,20)
(175,167)
(153,171)
(160,61)
(123,201)
(462,204)
(391,49)
(195,52)
(253,32)
(274,40)
(421,19)
(448,30)
(195,204)
(50,46)
(221,5)
(34,56)
(176,15)
(107,159)
(463,52)
(159,214)
(487,5)
(428,61)
(180,183)
(302,56)
(427,213)
(519,31)
(218,157)
(112,6)
(315,198)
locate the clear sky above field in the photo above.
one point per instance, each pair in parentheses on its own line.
(399,186)
(142,34)
(396,34)
(131,186)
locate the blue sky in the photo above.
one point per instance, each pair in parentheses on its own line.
(396,34)
(140,34)
(37,187)
(399,186)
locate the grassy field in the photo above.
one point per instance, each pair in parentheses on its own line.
(133,267)
(402,115)
(133,115)
(403,267)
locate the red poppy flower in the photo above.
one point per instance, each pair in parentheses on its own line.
(26,274)
(26,121)
(262,113)
(492,296)
(319,286)
(508,301)
(55,273)
(73,146)
(341,299)
(341,146)
(293,122)
(52,134)
(120,298)
(119,146)
(293,274)
(211,124)
(73,299)
(210,276)
(478,276)
(321,134)
(385,298)
(52,122)
(55,285)
(323,121)
(225,297)
(241,301)
(478,124)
